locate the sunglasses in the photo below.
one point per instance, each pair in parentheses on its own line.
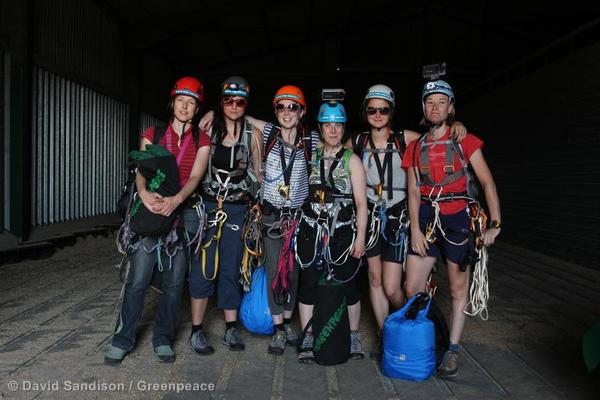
(292,107)
(381,110)
(230,101)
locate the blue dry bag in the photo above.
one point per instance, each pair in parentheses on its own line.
(409,341)
(254,310)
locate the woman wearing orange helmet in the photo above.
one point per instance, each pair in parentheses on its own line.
(191,149)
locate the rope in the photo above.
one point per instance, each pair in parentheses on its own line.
(479,290)
(374,227)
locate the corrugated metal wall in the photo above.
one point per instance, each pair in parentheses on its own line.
(542,143)
(147,120)
(3,138)
(76,38)
(79,143)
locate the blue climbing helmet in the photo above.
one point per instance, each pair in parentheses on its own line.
(438,86)
(332,112)
(235,86)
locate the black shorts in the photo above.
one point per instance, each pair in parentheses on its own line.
(310,276)
(387,247)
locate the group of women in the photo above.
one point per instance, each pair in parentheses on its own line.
(307,188)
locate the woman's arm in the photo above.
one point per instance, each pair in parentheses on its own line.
(458,131)
(359,191)
(257,153)
(171,203)
(257,123)
(410,136)
(491,194)
(417,238)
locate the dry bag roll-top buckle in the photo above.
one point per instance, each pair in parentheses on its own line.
(284,190)
(379,190)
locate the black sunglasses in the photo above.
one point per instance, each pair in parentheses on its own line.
(381,110)
(292,107)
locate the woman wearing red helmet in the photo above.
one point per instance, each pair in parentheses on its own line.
(191,149)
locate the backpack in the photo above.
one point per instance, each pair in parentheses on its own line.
(452,148)
(129,189)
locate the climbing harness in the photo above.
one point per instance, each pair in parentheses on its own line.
(320,217)
(241,160)
(216,218)
(476,255)
(379,215)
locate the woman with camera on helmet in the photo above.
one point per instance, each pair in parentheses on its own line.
(382,150)
(441,202)
(227,191)
(191,148)
(331,237)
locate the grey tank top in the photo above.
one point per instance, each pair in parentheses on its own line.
(399,182)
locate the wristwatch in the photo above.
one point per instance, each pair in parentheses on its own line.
(494,224)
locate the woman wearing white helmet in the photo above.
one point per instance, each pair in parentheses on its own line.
(381,150)
(446,217)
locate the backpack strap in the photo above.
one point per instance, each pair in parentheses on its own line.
(271,140)
(360,143)
(159,132)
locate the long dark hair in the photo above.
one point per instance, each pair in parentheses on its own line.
(219,129)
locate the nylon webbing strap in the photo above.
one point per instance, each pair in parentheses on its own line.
(332,167)
(387,161)
(450,175)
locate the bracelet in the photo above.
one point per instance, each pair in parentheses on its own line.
(494,224)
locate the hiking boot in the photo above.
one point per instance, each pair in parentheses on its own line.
(291,339)
(356,351)
(114,356)
(199,343)
(277,345)
(233,340)
(449,366)
(377,353)
(164,354)
(305,352)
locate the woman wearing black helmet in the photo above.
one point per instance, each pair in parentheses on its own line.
(227,189)
(191,148)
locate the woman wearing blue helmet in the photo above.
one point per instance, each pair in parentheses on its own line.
(330,238)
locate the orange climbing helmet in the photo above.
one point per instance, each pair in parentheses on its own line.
(290,92)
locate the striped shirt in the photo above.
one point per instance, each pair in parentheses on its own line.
(273,173)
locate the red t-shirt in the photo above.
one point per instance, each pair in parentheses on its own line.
(187,162)
(437,159)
